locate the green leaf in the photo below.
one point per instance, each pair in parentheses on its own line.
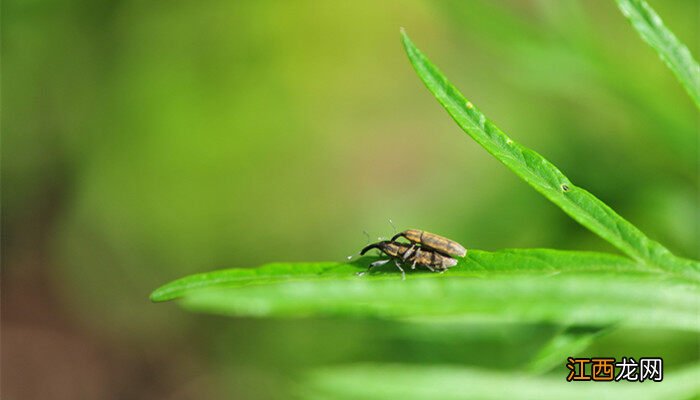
(545,177)
(671,51)
(569,288)
(570,342)
(413,382)
(478,262)
(266,274)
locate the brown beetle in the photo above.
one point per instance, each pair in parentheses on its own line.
(432,241)
(409,254)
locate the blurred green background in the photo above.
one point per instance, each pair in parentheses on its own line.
(143,141)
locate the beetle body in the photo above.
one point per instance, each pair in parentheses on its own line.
(432,241)
(404,253)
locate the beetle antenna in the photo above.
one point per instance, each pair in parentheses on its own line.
(392,225)
(367,234)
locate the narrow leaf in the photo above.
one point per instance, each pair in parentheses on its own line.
(266,274)
(545,177)
(671,51)
(570,342)
(568,288)
(478,262)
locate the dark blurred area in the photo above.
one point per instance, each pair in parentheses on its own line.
(143,141)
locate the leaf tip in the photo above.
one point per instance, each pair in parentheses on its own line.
(153,297)
(404,37)
(408,46)
(159,295)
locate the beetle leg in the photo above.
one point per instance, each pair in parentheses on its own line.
(408,252)
(378,263)
(430,268)
(445,267)
(403,273)
(374,264)
(441,268)
(416,254)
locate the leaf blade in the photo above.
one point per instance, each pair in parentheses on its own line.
(235,277)
(526,285)
(568,300)
(544,177)
(568,342)
(477,262)
(672,52)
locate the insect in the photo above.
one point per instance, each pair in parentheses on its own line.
(411,254)
(432,241)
